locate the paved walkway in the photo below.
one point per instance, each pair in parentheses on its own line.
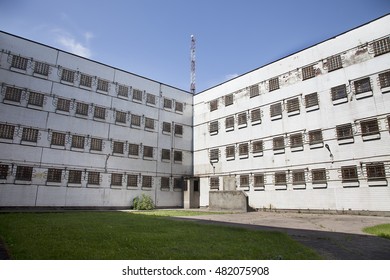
(338,237)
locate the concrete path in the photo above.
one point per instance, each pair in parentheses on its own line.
(337,237)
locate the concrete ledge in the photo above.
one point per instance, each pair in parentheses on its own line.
(228,200)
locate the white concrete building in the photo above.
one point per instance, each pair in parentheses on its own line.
(77,133)
(309,131)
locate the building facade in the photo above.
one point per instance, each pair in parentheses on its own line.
(77,133)
(309,131)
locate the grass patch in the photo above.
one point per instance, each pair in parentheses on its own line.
(379,230)
(119,235)
(177,213)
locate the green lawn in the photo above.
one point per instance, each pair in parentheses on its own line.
(379,230)
(120,235)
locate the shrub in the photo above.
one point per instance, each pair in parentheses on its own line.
(145,202)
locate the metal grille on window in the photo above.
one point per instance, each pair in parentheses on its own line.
(384,79)
(229,122)
(78,141)
(132,180)
(213,128)
(24,173)
(258,180)
(308,72)
(298,177)
(339,92)
(120,117)
(214,154)
(164,182)
(293,105)
(243,149)
(256,115)
(257,146)
(296,140)
(178,106)
(166,154)
(3,171)
(100,113)
(273,84)
(123,90)
(280,178)
(369,127)
(30,135)
(315,136)
(334,63)
(178,129)
(228,99)
(102,85)
(36,99)
(137,94)
(242,119)
(13,94)
(146,181)
(67,75)
(85,80)
(213,105)
(362,85)
(311,100)
(116,179)
(135,120)
(167,103)
(278,143)
(151,99)
(167,127)
(41,68)
(254,91)
(96,144)
(82,109)
(93,178)
(58,139)
(376,171)
(118,147)
(177,183)
(149,123)
(230,151)
(214,182)
(276,109)
(74,176)
(344,131)
(7,131)
(318,176)
(63,105)
(349,173)
(148,152)
(133,149)
(381,46)
(178,156)
(19,62)
(244,181)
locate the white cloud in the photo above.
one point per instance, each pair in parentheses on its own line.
(70,44)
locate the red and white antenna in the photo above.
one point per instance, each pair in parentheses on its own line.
(192,87)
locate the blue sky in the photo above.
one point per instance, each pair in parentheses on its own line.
(152,38)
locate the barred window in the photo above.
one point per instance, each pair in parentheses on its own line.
(318,176)
(178,106)
(41,68)
(19,62)
(362,85)
(334,63)
(213,105)
(7,131)
(213,128)
(178,183)
(280,178)
(24,173)
(228,99)
(296,140)
(257,146)
(132,180)
(118,147)
(369,127)
(214,182)
(349,173)
(315,137)
(30,134)
(116,179)
(256,115)
(123,90)
(376,171)
(100,113)
(278,143)
(93,178)
(339,92)
(244,181)
(102,85)
(229,122)
(58,139)
(311,99)
(149,123)
(133,149)
(96,144)
(13,94)
(78,141)
(214,154)
(293,105)
(308,72)
(178,130)
(242,119)
(273,84)
(178,156)
(243,149)
(254,91)
(135,120)
(384,79)
(137,94)
(85,80)
(167,103)
(36,99)
(67,75)
(230,151)
(63,105)
(166,127)
(276,109)
(148,152)
(381,46)
(147,181)
(344,131)
(3,171)
(74,176)
(120,117)
(150,99)
(164,182)
(165,154)
(298,177)
(82,109)
(258,180)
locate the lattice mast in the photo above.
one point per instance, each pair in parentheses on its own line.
(192,87)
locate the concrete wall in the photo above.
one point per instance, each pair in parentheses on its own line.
(228,200)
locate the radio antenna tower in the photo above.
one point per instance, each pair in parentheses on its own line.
(192,88)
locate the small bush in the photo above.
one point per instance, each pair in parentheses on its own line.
(145,202)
